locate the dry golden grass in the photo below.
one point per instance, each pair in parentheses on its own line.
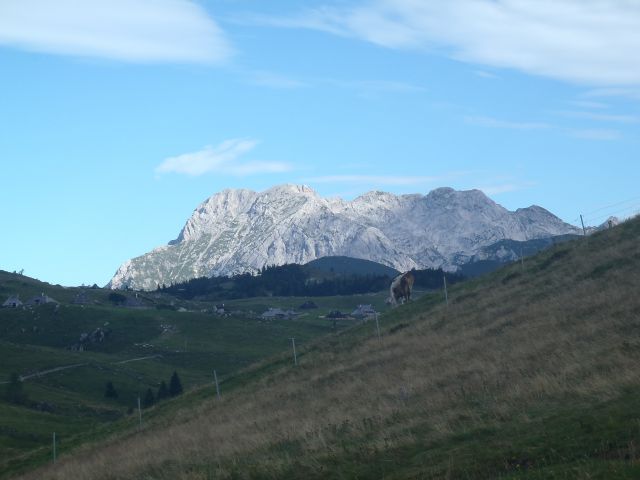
(563,329)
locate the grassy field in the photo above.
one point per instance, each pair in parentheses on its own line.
(143,348)
(530,373)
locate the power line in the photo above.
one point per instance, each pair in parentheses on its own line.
(610,206)
(616,213)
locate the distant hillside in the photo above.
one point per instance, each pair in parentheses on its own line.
(495,256)
(26,287)
(530,372)
(350,266)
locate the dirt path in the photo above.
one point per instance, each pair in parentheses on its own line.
(42,373)
(137,359)
(47,372)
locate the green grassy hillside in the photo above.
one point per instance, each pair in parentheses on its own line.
(143,347)
(528,373)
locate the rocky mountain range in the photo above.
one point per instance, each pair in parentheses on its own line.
(241,230)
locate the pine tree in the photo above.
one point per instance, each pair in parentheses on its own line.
(110,391)
(148,399)
(163,391)
(175,387)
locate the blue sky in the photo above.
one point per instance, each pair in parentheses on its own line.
(118,117)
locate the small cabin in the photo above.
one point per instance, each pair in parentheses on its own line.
(308,305)
(41,299)
(278,313)
(364,311)
(12,302)
(81,298)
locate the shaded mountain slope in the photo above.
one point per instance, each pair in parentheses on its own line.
(349,266)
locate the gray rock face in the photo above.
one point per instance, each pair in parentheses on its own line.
(237,231)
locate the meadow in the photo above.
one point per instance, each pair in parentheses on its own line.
(144,347)
(530,372)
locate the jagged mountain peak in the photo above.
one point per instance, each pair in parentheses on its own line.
(451,196)
(289,188)
(239,230)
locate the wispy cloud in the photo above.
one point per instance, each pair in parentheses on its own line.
(596,134)
(600,117)
(277,80)
(631,93)
(484,74)
(147,31)
(274,80)
(590,42)
(491,122)
(388,180)
(589,104)
(505,188)
(224,158)
(373,86)
(584,134)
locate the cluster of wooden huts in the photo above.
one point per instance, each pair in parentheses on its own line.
(14,301)
(363,312)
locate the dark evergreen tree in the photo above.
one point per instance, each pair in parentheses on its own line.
(148,399)
(163,391)
(110,391)
(15,392)
(117,298)
(175,387)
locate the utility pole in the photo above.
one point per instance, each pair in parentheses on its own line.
(215,377)
(54,447)
(446,294)
(139,414)
(295,357)
(377,325)
(584,230)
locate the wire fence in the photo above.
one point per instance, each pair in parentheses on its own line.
(622,210)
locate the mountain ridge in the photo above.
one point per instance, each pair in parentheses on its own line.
(240,230)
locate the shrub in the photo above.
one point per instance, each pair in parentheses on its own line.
(175,386)
(110,391)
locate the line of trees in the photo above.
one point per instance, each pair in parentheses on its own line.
(295,280)
(149,398)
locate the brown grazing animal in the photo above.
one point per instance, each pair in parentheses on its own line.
(401,287)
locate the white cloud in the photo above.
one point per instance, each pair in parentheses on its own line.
(589,104)
(389,180)
(583,41)
(505,188)
(223,158)
(274,80)
(373,86)
(485,74)
(631,93)
(490,122)
(596,134)
(585,134)
(601,117)
(146,31)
